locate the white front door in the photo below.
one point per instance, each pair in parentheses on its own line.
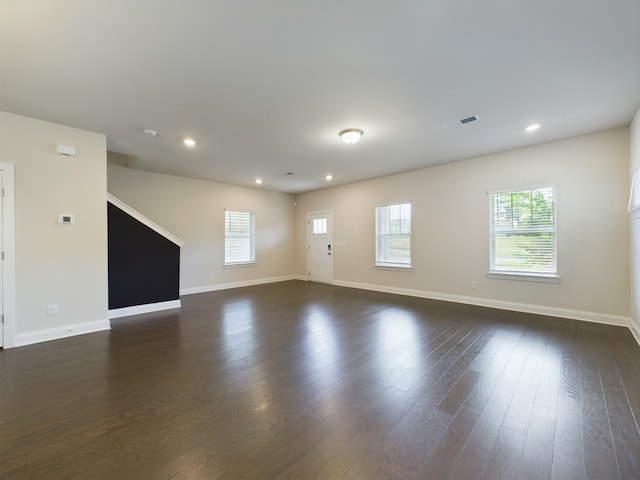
(320,246)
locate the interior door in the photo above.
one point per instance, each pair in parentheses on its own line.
(320,246)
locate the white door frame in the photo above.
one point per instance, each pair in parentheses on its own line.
(309,214)
(9,248)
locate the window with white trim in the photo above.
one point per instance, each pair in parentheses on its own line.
(523,232)
(319,226)
(393,236)
(239,237)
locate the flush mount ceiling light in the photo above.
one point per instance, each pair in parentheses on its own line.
(533,127)
(350,135)
(259,181)
(189,142)
(328,178)
(151,133)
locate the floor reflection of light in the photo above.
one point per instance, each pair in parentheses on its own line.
(398,342)
(237,327)
(239,338)
(261,407)
(321,345)
(261,398)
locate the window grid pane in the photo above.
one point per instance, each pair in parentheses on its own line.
(239,238)
(319,226)
(393,234)
(523,232)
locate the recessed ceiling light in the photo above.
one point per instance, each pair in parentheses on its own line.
(533,127)
(350,135)
(259,181)
(189,142)
(329,177)
(151,133)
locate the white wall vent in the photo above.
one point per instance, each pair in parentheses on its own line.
(461,122)
(66,150)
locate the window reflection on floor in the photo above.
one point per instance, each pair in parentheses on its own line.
(322,347)
(398,344)
(238,338)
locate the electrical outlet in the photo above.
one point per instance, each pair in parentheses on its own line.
(474,284)
(52,309)
(211,276)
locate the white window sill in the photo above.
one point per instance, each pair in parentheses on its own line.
(393,266)
(524,277)
(238,265)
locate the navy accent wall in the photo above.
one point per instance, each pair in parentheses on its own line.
(144,266)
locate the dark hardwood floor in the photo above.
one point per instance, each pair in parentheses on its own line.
(310,381)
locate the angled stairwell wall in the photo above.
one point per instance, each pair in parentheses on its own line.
(144,263)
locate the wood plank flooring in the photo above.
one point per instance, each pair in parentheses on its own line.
(310,381)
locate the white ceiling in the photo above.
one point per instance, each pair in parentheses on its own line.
(264,87)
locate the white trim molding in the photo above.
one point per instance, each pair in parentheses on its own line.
(144,220)
(9,249)
(57,333)
(521,277)
(499,304)
(226,286)
(635,332)
(146,308)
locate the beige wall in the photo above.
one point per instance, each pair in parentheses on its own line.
(634,220)
(193,210)
(67,265)
(450,239)
(57,264)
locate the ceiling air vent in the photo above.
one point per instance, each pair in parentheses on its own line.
(462,121)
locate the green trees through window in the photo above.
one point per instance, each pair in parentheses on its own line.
(523,231)
(393,235)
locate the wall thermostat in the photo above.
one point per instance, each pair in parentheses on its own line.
(66,219)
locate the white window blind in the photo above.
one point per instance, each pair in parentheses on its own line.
(523,232)
(393,235)
(239,237)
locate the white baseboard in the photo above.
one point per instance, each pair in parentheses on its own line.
(147,308)
(634,331)
(304,278)
(23,339)
(226,286)
(500,304)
